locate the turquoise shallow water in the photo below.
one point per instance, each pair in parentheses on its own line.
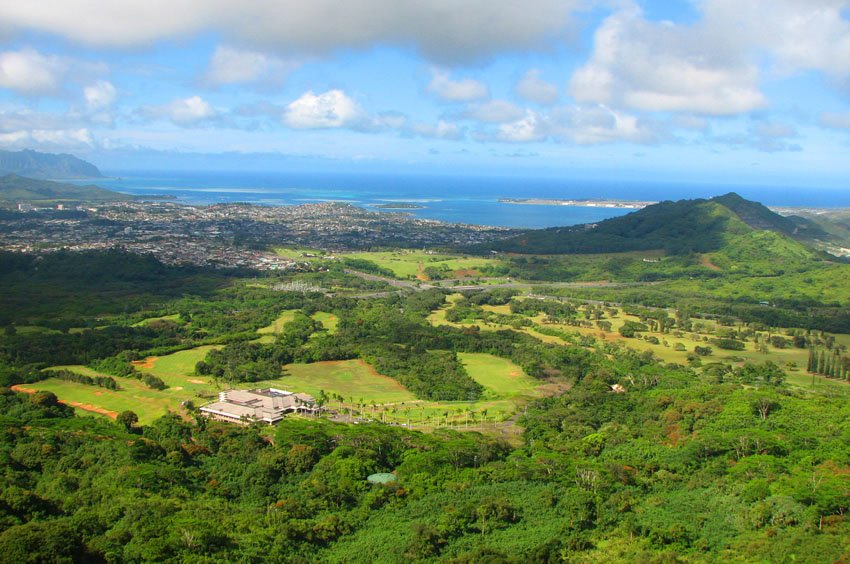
(459,199)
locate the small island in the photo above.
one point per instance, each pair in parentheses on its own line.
(398,206)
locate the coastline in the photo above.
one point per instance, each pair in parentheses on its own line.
(583,203)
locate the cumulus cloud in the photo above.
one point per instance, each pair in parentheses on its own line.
(765,136)
(29,72)
(797,35)
(463,90)
(99,95)
(48,139)
(230,65)
(835,120)
(529,128)
(32,73)
(492,111)
(185,112)
(534,89)
(443,30)
(331,109)
(583,125)
(441,130)
(659,66)
(591,125)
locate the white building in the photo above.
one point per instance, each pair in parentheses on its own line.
(268,405)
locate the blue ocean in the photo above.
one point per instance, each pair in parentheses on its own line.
(456,199)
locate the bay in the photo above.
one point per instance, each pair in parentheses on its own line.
(455,199)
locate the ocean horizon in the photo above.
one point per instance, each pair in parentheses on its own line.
(455,199)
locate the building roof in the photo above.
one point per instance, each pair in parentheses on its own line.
(269,404)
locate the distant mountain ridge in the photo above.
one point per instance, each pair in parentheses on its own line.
(14,188)
(680,227)
(44,166)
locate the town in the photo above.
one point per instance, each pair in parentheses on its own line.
(226,235)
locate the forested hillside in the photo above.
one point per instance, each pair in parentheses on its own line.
(726,465)
(46,165)
(16,188)
(681,227)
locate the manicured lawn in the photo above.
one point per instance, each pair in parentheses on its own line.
(379,397)
(148,404)
(178,369)
(502,378)
(349,378)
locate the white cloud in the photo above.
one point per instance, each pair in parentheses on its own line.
(442,130)
(331,109)
(99,95)
(29,72)
(493,111)
(63,137)
(463,90)
(229,65)
(660,66)
(529,128)
(184,112)
(190,110)
(14,139)
(591,125)
(48,139)
(583,125)
(444,30)
(534,89)
(835,120)
(765,136)
(797,34)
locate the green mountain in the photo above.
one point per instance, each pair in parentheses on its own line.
(14,188)
(727,223)
(33,164)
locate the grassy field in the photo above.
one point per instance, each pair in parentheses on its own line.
(354,380)
(364,392)
(177,369)
(328,320)
(411,264)
(277,325)
(298,253)
(502,378)
(268,333)
(148,404)
(173,317)
(806,381)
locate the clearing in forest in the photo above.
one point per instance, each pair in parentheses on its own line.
(502,378)
(409,264)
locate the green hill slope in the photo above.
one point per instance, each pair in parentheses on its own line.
(46,165)
(727,224)
(14,188)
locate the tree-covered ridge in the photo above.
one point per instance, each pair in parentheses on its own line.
(680,227)
(34,164)
(15,188)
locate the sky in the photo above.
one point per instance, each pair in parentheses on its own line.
(735,91)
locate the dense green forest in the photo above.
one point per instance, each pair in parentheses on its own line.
(629,458)
(731,464)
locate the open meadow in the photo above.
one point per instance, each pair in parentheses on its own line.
(412,264)
(353,388)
